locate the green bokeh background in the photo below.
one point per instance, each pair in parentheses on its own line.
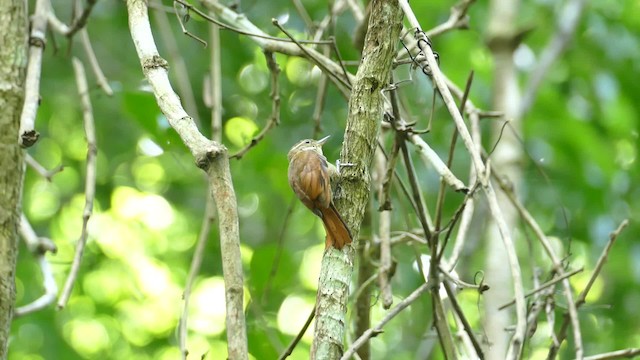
(582,132)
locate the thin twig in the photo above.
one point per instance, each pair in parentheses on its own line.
(228,12)
(177,59)
(38,246)
(321,96)
(194,269)
(603,258)
(376,330)
(274,118)
(80,21)
(460,314)
(182,20)
(452,147)
(562,333)
(93,62)
(619,354)
(555,259)
(342,82)
(544,286)
(47,174)
(292,345)
(279,250)
(90,180)
(303,14)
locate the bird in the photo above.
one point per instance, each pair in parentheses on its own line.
(310,178)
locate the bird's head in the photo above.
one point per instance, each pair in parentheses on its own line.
(308,145)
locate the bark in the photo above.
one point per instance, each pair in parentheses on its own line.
(211,157)
(351,198)
(506,157)
(13,61)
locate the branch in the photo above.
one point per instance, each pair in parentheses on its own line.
(63,29)
(244,26)
(376,330)
(384,232)
(37,40)
(562,333)
(292,345)
(90,180)
(555,259)
(428,155)
(39,247)
(47,174)
(177,59)
(80,21)
(210,156)
(194,269)
(619,354)
(424,44)
(544,286)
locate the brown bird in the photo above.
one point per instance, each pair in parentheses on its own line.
(310,179)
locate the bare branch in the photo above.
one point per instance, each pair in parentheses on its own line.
(211,157)
(545,286)
(81,20)
(555,259)
(37,40)
(440,82)
(177,60)
(47,174)
(619,354)
(376,330)
(428,155)
(562,333)
(292,345)
(39,247)
(196,262)
(93,62)
(90,180)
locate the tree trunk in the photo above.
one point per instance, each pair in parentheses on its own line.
(13,61)
(506,157)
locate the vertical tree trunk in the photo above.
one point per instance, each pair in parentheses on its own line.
(506,157)
(352,195)
(13,60)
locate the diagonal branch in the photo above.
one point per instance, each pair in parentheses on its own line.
(210,156)
(376,330)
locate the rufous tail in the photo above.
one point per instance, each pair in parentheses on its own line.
(338,234)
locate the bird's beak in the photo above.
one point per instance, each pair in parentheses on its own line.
(323,140)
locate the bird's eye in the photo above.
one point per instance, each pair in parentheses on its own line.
(307,141)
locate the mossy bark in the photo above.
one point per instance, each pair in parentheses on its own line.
(13,61)
(351,197)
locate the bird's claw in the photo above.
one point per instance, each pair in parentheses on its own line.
(339,165)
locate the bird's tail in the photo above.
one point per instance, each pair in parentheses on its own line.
(338,234)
